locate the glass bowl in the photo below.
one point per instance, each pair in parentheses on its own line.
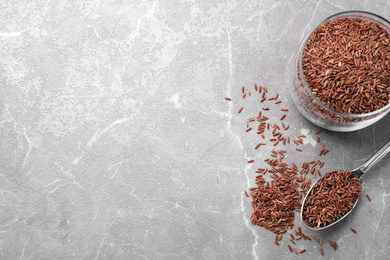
(315,110)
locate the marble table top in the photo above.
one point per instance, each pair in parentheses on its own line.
(117,143)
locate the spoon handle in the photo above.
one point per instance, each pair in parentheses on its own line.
(375,158)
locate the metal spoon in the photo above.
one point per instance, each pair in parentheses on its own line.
(358,172)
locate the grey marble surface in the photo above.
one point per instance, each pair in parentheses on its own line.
(116,142)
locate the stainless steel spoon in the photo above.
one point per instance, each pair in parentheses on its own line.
(358,172)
